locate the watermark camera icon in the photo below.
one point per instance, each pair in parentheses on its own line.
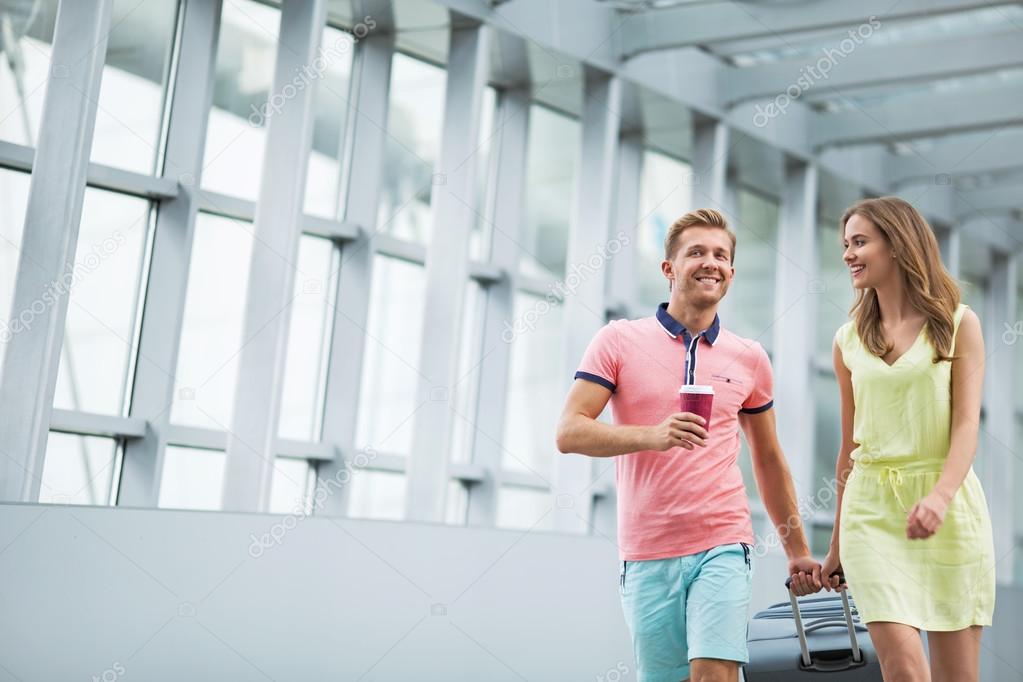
(1012,332)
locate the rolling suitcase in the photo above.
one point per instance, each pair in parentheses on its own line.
(818,638)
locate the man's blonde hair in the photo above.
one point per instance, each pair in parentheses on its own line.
(701,217)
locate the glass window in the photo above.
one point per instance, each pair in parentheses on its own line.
(466,391)
(192,478)
(746,467)
(377,495)
(79,469)
(1018,563)
(820,539)
(290,492)
(25,67)
(665,194)
(330,112)
(236,130)
(479,238)
(837,297)
(131,97)
(211,332)
(973,294)
(13,201)
(309,340)
(827,439)
(412,147)
(105,284)
(390,373)
(756,257)
(525,508)
(535,383)
(1019,361)
(552,159)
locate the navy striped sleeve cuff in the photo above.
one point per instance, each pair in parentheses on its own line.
(596,379)
(757,410)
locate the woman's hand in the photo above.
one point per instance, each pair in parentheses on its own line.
(830,570)
(927,515)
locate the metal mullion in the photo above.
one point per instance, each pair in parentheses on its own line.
(55,197)
(485,273)
(795,314)
(334,230)
(590,227)
(622,289)
(226,205)
(523,479)
(170,256)
(20,157)
(508,215)
(94,424)
(394,247)
(447,272)
(364,145)
(999,429)
(249,467)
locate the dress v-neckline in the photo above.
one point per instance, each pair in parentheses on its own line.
(907,351)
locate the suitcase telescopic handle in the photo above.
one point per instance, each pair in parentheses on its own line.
(804,648)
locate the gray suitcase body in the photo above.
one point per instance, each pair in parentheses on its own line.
(833,640)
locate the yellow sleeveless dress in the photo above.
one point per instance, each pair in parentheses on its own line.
(902,428)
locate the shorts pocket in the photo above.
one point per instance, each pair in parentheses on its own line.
(621,578)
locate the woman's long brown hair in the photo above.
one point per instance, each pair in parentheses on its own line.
(929,287)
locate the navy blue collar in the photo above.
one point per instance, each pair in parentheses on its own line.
(676,328)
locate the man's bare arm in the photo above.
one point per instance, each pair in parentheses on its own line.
(774,480)
(580,432)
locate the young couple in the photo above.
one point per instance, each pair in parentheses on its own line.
(912,533)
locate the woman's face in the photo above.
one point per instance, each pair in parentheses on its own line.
(867,254)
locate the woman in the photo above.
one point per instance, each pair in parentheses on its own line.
(912,531)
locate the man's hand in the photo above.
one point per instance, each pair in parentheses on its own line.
(806,575)
(926,516)
(682,429)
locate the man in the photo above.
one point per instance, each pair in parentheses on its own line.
(684,526)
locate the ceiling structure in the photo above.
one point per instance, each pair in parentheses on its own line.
(933,88)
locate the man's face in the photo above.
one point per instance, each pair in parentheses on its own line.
(701,270)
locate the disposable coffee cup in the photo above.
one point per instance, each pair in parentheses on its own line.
(698,399)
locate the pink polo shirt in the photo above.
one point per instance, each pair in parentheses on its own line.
(679,501)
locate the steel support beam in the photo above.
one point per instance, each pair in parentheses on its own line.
(164,307)
(55,195)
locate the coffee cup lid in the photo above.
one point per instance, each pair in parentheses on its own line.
(696,388)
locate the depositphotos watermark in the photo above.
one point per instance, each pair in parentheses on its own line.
(615,674)
(576,275)
(52,292)
(111,674)
(310,73)
(810,74)
(1012,332)
(275,535)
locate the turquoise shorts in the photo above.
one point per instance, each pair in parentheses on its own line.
(694,606)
